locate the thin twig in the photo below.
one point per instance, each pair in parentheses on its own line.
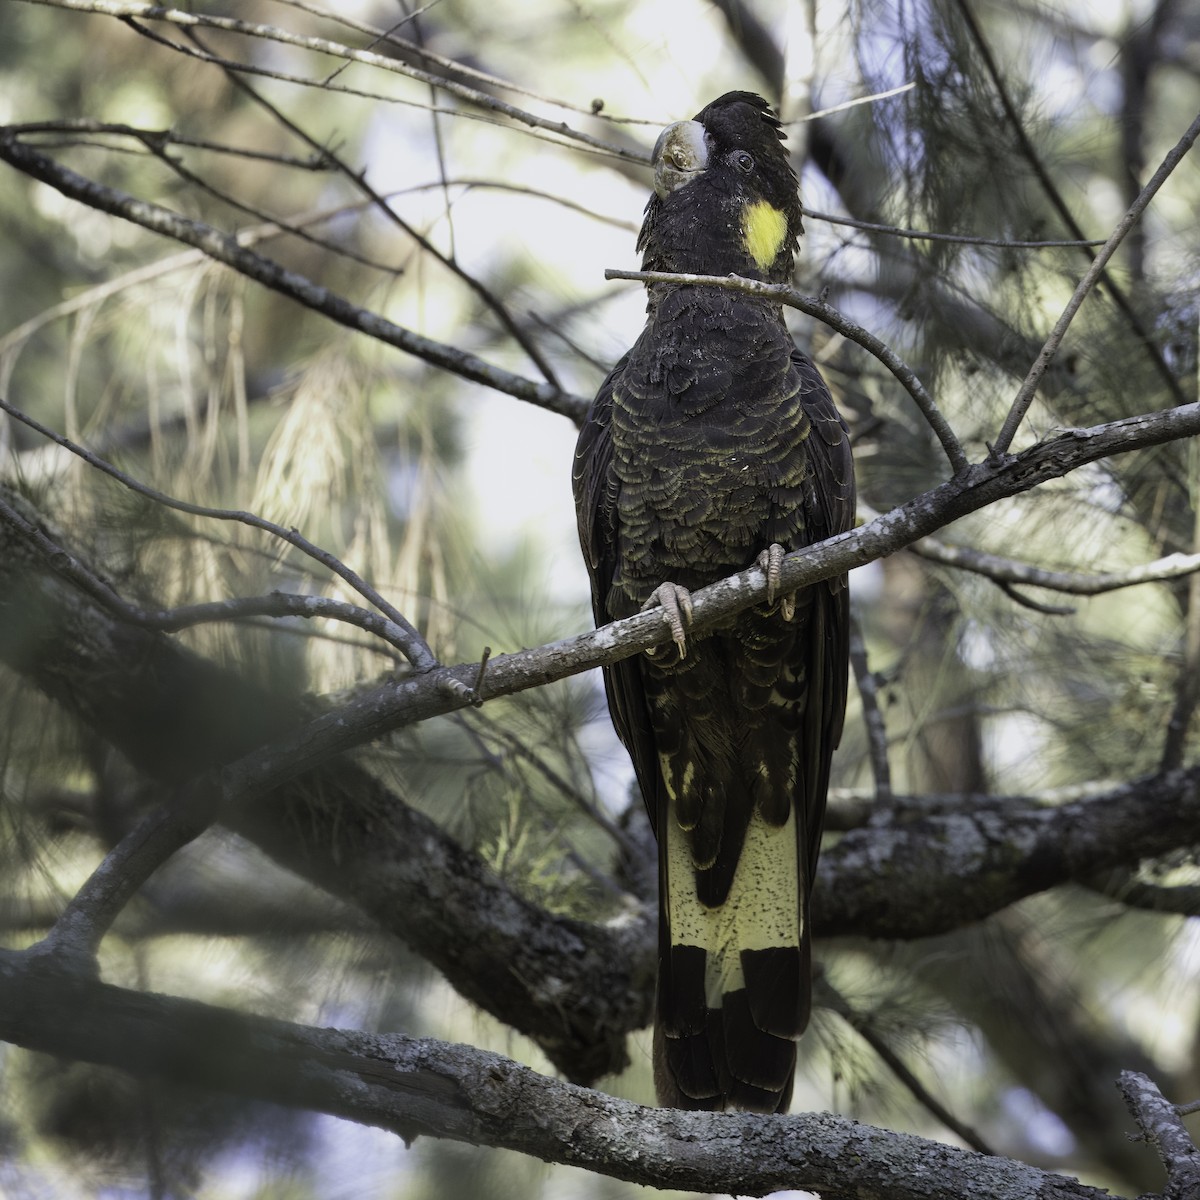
(404,635)
(160,151)
(862,1024)
(164,137)
(549,823)
(384,62)
(358,180)
(1024,397)
(171,620)
(224,248)
(873,722)
(831,317)
(1059,204)
(1123,885)
(964,239)
(1037,606)
(561,784)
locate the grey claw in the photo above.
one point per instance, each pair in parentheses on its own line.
(676,604)
(771,562)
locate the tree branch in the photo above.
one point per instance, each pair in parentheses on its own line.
(418,1087)
(1163,1128)
(576,988)
(171,620)
(873,720)
(1060,206)
(904,878)
(1075,583)
(399,631)
(1028,389)
(225,248)
(384,62)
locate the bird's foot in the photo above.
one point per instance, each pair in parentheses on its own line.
(676,604)
(771,562)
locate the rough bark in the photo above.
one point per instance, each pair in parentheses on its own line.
(415,1086)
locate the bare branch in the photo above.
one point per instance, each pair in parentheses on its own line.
(384,62)
(225,248)
(401,633)
(171,620)
(1060,206)
(66,127)
(876,727)
(1163,1129)
(903,877)
(416,1087)
(828,996)
(1028,389)
(1075,583)
(846,105)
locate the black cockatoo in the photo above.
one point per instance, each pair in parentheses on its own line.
(713,444)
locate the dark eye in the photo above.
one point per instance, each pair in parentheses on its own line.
(745,163)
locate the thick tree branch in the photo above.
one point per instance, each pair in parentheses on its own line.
(413,1087)
(905,878)
(576,988)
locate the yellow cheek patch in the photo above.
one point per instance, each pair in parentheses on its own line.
(764,228)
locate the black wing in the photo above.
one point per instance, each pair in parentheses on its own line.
(596,492)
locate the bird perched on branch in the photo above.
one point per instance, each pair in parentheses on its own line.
(714,444)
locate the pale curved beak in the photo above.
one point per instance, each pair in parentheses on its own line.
(680,154)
